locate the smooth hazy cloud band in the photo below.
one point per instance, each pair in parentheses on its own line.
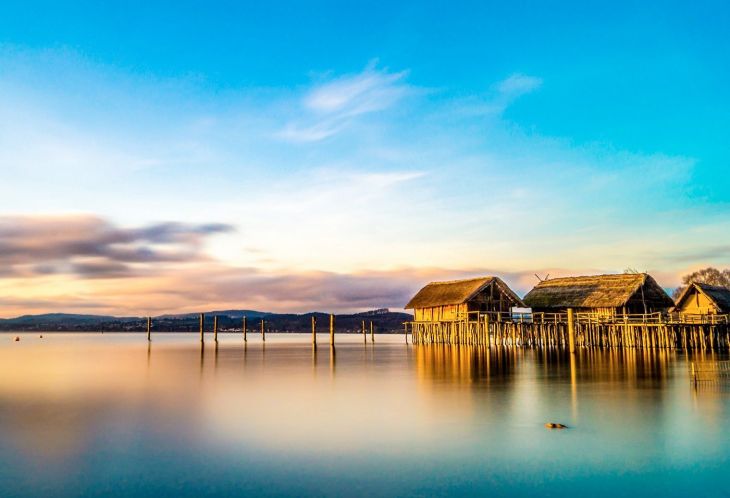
(86,263)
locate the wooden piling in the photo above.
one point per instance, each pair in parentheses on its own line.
(372,334)
(314,331)
(332,329)
(486,331)
(364,335)
(149,328)
(215,328)
(244,327)
(571,331)
(263,330)
(202,328)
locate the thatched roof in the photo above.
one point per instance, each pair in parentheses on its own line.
(457,292)
(598,291)
(719,296)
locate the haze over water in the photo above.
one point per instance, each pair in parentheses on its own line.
(106,415)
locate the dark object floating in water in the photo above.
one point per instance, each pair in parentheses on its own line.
(41,336)
(16,338)
(553,425)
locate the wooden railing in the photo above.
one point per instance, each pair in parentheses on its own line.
(592,318)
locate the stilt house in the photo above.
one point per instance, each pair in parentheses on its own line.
(704,299)
(453,300)
(605,295)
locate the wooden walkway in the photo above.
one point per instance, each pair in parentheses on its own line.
(571,330)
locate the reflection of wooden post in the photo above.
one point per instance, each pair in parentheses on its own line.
(149,328)
(215,328)
(372,334)
(364,335)
(202,327)
(263,331)
(314,331)
(332,329)
(244,330)
(571,330)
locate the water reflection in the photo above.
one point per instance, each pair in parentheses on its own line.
(453,364)
(450,419)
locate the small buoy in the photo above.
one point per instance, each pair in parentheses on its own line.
(17,338)
(41,336)
(553,425)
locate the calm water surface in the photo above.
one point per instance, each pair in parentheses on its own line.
(106,415)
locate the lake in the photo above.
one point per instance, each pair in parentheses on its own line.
(111,415)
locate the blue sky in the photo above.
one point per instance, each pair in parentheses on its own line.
(317,155)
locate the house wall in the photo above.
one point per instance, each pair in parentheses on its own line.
(439,313)
(491,298)
(696,303)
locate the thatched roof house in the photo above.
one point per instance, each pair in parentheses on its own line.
(704,299)
(604,294)
(451,300)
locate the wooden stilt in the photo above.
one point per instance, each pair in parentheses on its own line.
(215,328)
(314,331)
(149,328)
(332,329)
(244,327)
(263,330)
(202,328)
(571,331)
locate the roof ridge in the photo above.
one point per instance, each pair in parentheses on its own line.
(573,277)
(440,282)
(705,284)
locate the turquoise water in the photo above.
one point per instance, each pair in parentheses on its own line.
(110,415)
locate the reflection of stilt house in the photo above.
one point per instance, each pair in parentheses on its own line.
(606,295)
(704,299)
(456,299)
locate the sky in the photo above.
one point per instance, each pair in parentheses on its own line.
(161,157)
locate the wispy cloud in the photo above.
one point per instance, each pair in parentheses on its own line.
(332,106)
(518,84)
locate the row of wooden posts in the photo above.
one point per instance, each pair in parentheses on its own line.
(244,329)
(568,330)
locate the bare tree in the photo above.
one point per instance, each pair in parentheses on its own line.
(711,276)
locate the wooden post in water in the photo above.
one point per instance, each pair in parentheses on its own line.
(372,335)
(215,328)
(149,328)
(571,331)
(263,331)
(314,331)
(405,330)
(202,328)
(244,330)
(332,329)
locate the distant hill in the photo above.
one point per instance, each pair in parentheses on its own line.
(228,320)
(58,319)
(228,313)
